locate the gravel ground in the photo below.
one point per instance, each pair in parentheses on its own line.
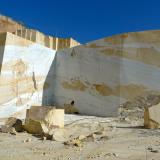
(124,141)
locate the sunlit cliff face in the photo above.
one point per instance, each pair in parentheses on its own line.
(97,77)
(9,25)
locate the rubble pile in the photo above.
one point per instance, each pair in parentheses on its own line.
(47,123)
(81,139)
(40,120)
(12,126)
(134,110)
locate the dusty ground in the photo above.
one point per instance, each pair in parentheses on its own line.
(125,141)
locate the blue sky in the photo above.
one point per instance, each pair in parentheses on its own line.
(84,20)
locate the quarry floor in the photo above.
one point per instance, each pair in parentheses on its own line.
(126,141)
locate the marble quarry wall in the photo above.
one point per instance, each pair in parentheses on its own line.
(103,74)
(9,25)
(96,78)
(55,43)
(24,67)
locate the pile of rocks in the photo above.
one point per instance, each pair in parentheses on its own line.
(39,120)
(48,124)
(134,110)
(12,126)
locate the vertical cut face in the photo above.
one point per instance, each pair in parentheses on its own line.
(8,25)
(24,67)
(103,74)
(93,79)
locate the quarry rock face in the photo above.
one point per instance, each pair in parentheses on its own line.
(151,117)
(102,75)
(24,67)
(9,25)
(93,79)
(41,119)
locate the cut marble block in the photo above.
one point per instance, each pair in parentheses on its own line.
(151,117)
(42,119)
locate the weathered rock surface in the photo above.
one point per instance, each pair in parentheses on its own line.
(103,74)
(42,119)
(24,67)
(152,117)
(98,76)
(12,125)
(134,110)
(70,108)
(89,133)
(9,25)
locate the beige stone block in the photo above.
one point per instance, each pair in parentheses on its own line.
(36,127)
(151,117)
(42,119)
